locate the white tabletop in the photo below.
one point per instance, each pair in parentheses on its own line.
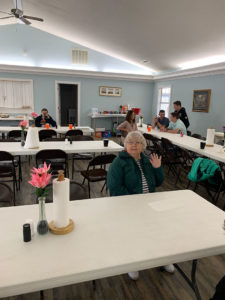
(59,129)
(96,116)
(217,152)
(15,148)
(111,236)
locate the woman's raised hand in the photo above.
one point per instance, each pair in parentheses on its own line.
(155,160)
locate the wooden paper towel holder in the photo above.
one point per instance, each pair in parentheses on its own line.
(63,230)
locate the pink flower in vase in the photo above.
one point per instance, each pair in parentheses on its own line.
(223,129)
(40,178)
(33,115)
(23,124)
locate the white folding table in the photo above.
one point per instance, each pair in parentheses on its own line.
(15,148)
(112,235)
(216,152)
(60,129)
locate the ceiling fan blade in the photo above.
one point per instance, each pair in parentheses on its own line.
(6,17)
(33,18)
(5,12)
(25,21)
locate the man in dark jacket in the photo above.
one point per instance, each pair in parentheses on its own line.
(44,118)
(182,113)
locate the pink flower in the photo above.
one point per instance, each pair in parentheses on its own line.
(40,178)
(23,124)
(33,115)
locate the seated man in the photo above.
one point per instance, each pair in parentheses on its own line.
(44,118)
(161,121)
(176,125)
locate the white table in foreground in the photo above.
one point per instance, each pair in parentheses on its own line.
(111,236)
(59,129)
(189,143)
(77,147)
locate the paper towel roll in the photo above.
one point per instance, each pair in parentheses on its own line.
(61,198)
(32,139)
(210,137)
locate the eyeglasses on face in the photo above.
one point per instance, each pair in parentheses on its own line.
(133,143)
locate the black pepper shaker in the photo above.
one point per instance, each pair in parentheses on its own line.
(26,232)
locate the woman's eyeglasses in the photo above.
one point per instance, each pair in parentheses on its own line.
(134,143)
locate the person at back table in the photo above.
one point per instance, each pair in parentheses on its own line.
(44,118)
(161,121)
(128,125)
(181,113)
(176,125)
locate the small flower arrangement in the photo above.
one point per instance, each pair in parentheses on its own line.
(40,178)
(33,115)
(23,124)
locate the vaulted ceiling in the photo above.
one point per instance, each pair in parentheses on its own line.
(166,33)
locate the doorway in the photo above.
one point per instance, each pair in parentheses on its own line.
(67,103)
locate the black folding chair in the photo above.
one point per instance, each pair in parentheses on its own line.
(47,133)
(57,158)
(8,170)
(74,132)
(81,156)
(93,174)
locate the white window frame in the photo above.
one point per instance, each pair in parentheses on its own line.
(12,109)
(160,99)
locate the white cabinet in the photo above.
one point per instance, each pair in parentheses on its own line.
(17,94)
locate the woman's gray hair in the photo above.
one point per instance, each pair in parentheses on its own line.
(135,136)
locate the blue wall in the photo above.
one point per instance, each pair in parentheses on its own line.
(138,94)
(182,89)
(46,50)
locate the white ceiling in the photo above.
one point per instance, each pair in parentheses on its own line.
(164,32)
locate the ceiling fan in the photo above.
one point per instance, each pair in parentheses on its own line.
(18,13)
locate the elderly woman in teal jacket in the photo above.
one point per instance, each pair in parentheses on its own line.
(132,172)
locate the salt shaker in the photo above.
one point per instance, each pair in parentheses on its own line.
(26,233)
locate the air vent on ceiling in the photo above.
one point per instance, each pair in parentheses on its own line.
(79,57)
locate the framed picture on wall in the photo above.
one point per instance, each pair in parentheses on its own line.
(110,91)
(201,100)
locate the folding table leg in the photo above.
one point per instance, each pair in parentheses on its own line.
(42,295)
(192,282)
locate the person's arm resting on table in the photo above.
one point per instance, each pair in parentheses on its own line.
(173,130)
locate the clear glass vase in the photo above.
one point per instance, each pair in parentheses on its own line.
(42,226)
(22,138)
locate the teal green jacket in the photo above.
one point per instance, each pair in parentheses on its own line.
(124,175)
(203,169)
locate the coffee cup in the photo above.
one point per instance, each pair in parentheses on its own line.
(106,143)
(202,145)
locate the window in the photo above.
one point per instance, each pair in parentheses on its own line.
(164,99)
(16,95)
